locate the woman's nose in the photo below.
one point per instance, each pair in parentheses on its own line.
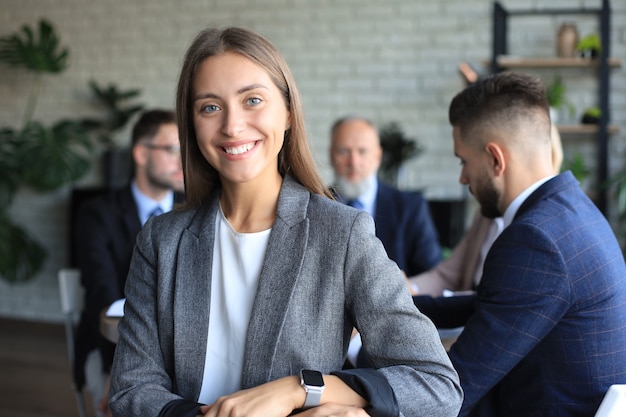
(233,123)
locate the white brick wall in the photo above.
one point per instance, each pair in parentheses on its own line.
(389,61)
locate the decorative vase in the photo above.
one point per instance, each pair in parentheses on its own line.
(567,39)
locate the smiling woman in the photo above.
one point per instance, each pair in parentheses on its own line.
(240,119)
(244,301)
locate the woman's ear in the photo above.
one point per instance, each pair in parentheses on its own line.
(496,157)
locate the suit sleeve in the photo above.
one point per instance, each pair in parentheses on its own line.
(142,377)
(400,342)
(520,299)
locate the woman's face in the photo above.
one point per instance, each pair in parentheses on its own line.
(240,117)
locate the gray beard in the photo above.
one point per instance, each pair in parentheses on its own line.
(350,190)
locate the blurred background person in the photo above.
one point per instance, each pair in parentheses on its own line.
(402,218)
(105,231)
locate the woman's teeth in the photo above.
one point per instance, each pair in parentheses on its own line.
(239,149)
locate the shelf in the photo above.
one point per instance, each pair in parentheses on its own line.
(501,59)
(584,129)
(510,61)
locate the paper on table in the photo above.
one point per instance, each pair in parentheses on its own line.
(117,308)
(448,293)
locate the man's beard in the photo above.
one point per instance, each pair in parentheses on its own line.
(488,196)
(353,190)
(164,181)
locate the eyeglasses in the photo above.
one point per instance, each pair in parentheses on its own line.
(171,150)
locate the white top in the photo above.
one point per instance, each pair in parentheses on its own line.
(237,262)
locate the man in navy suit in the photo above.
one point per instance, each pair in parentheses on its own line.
(105,232)
(402,218)
(548,334)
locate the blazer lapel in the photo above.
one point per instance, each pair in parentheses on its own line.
(191,308)
(282,265)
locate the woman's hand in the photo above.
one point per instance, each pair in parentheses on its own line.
(273,399)
(334,410)
(280,397)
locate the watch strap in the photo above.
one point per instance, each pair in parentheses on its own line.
(313,384)
(313,397)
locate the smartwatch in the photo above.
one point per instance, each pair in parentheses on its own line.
(313,384)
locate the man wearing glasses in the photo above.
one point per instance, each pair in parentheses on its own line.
(105,231)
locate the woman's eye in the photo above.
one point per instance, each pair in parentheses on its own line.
(253,101)
(209,108)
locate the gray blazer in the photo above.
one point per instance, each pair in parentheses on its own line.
(321,277)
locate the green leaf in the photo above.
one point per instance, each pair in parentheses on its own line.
(10,166)
(116,116)
(21,257)
(39,55)
(53,157)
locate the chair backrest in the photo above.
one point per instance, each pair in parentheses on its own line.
(71,291)
(614,402)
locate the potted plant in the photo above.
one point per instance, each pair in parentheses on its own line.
(591,115)
(557,99)
(397,149)
(41,157)
(589,46)
(117,113)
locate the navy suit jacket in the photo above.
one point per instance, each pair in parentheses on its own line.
(105,231)
(548,336)
(406,228)
(106,227)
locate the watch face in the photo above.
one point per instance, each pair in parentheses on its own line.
(313,378)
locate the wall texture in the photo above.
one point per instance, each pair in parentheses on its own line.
(389,61)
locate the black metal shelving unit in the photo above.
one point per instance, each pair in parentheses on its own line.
(501,18)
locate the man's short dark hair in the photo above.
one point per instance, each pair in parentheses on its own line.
(500,97)
(149,123)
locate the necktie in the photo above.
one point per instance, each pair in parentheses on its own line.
(158,210)
(356,204)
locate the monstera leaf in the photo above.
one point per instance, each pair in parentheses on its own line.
(21,257)
(44,158)
(9,166)
(52,157)
(40,54)
(117,114)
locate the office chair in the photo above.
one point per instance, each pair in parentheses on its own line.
(72,300)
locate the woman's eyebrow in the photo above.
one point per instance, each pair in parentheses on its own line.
(240,91)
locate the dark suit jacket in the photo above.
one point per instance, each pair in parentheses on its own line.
(106,227)
(548,336)
(406,228)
